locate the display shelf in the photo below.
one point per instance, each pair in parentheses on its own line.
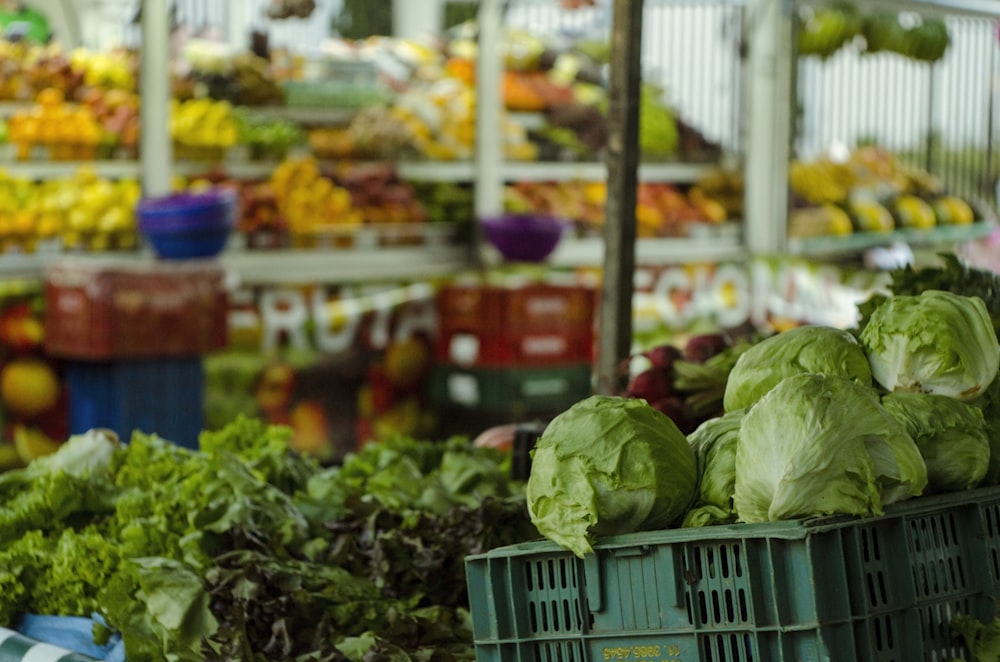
(313,116)
(286,266)
(942,235)
(589,251)
(679,173)
(10,108)
(112,169)
(276,267)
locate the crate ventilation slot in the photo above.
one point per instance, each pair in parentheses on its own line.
(939,640)
(991,520)
(559,651)
(937,560)
(726,648)
(718,590)
(871,554)
(553,595)
(884,635)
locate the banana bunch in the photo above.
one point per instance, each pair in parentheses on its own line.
(821,181)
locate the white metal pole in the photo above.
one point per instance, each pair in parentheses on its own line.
(411,20)
(489,110)
(238,24)
(769,126)
(155,142)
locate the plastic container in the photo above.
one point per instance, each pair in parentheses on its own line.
(524,237)
(517,392)
(156,396)
(15,647)
(516,347)
(188,225)
(832,589)
(97,309)
(534,307)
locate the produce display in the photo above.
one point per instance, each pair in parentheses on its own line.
(27,69)
(813,421)
(824,30)
(245,551)
(662,209)
(870,191)
(80,212)
(203,128)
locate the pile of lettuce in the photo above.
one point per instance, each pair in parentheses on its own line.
(825,421)
(246,551)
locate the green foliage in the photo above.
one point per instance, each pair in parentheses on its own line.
(246,551)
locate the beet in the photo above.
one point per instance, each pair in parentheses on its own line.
(703,347)
(663,356)
(651,385)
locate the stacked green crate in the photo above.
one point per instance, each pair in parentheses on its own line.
(512,353)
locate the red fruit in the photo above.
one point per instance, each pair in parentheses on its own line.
(663,356)
(650,385)
(703,347)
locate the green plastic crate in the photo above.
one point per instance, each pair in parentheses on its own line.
(514,391)
(839,589)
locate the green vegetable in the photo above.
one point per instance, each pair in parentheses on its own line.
(982,639)
(805,349)
(934,342)
(952,275)
(950,434)
(247,551)
(989,404)
(822,444)
(609,465)
(714,443)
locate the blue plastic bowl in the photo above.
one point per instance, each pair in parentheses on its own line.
(524,237)
(188,225)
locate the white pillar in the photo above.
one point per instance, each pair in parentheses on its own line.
(412,18)
(769,126)
(156,146)
(489,110)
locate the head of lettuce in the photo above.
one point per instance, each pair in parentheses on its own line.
(609,465)
(933,342)
(819,349)
(822,445)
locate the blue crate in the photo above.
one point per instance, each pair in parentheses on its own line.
(827,590)
(161,396)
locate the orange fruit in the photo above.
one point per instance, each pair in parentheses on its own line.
(406,362)
(28,387)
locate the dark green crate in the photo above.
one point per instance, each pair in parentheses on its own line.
(512,392)
(832,589)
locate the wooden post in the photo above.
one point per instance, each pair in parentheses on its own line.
(615,311)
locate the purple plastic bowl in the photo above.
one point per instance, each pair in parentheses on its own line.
(524,237)
(188,225)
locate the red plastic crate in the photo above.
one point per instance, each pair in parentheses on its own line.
(515,347)
(530,307)
(101,310)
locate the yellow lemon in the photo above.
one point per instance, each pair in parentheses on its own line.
(28,387)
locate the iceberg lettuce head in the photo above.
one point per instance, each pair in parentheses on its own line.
(820,445)
(950,434)
(605,466)
(805,349)
(933,342)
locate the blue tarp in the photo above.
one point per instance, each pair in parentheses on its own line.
(75,633)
